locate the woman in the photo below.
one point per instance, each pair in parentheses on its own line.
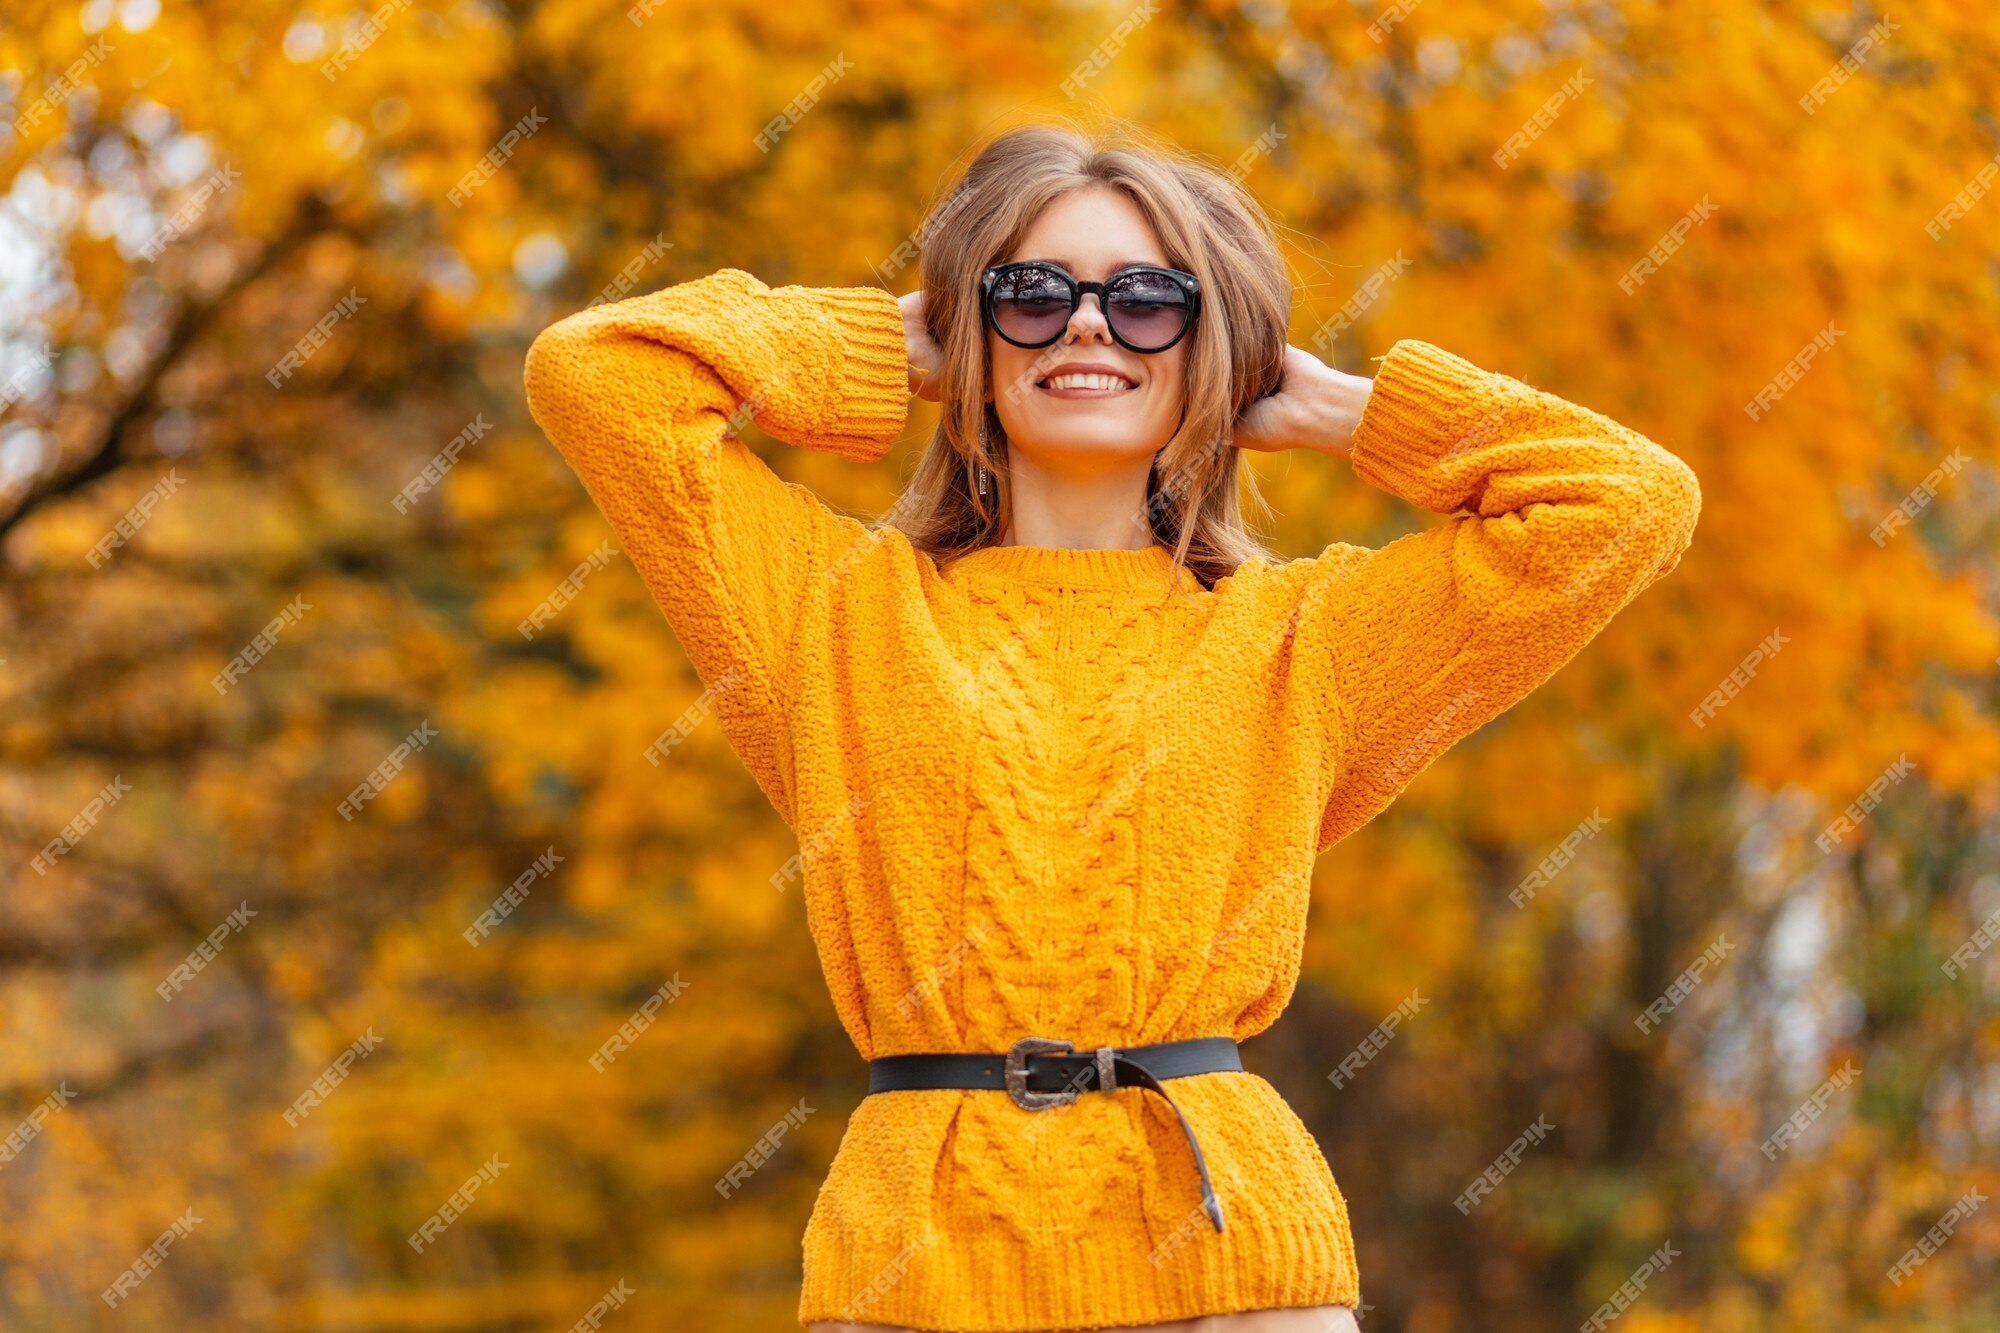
(1061,742)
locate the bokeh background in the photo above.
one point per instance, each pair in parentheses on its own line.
(189,192)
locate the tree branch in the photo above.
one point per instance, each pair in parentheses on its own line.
(193,320)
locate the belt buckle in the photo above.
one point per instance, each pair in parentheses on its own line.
(1016,1072)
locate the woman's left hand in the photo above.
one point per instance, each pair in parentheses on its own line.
(1315,407)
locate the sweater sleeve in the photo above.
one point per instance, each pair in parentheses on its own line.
(639,396)
(1418,643)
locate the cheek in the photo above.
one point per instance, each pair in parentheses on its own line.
(1011,392)
(1171,380)
(1010,363)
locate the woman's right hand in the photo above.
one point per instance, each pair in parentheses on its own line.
(926,358)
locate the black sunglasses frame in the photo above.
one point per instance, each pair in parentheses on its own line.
(1187,282)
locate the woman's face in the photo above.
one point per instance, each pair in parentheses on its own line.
(1091,232)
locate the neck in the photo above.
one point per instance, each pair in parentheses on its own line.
(1098,506)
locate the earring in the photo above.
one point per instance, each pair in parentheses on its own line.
(979,466)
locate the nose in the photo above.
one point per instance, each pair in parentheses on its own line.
(1088,322)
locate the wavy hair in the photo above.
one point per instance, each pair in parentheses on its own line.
(1207,225)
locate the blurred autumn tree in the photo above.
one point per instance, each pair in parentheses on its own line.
(313,175)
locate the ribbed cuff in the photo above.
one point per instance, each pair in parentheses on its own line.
(1427,406)
(871,371)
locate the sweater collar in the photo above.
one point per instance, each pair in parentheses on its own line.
(1071,567)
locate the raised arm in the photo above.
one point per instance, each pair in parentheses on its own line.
(1424,640)
(639,395)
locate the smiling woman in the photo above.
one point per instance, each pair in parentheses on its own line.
(1136,263)
(1062,739)
(1082,411)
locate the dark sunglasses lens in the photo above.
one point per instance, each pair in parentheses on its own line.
(1147,310)
(1030,305)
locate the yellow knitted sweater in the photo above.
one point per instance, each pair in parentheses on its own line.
(1040,792)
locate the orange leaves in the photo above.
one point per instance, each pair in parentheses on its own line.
(1387,147)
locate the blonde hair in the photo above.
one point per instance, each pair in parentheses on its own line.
(1207,225)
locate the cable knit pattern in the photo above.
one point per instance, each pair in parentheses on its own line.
(1050,792)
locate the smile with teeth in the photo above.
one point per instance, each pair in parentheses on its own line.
(1114,383)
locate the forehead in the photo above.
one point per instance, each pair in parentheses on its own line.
(1091,233)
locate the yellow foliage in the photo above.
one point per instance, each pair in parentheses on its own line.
(1659,829)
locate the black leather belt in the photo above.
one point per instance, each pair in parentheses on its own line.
(1040,1072)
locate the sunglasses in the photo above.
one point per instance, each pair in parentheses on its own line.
(1147,308)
